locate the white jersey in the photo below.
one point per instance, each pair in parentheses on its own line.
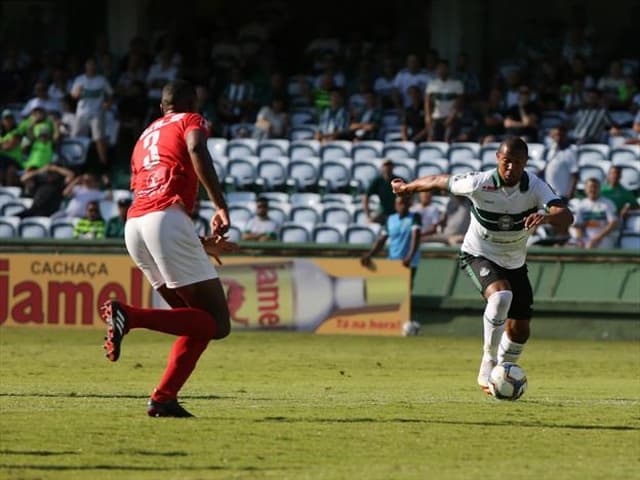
(497,231)
(93,90)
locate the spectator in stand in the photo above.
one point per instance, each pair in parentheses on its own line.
(91,225)
(429,214)
(623,199)
(60,85)
(131,92)
(611,84)
(468,77)
(115,225)
(160,73)
(138,49)
(261,228)
(45,185)
(596,219)
(80,191)
(431,63)
(93,93)
(491,117)
(590,123)
(321,95)
(11,157)
(636,129)
(236,103)
(207,108)
(575,97)
(334,120)
(561,171)
(331,68)
(41,99)
(200,224)
(407,77)
(367,122)
(512,92)
(40,137)
(402,229)
(413,127)
(272,120)
(380,186)
(453,224)
(383,84)
(522,120)
(442,104)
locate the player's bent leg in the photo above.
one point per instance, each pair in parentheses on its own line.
(513,339)
(209,296)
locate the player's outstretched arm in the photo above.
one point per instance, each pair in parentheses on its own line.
(422,184)
(203,165)
(558,216)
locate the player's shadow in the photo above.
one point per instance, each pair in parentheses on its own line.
(571,426)
(109,395)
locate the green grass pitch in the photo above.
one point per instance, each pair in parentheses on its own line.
(299,406)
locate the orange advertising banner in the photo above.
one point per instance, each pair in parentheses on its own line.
(308,294)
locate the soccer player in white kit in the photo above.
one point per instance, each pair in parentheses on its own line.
(507,205)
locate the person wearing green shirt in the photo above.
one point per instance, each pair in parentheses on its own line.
(11,158)
(40,136)
(115,225)
(623,199)
(92,224)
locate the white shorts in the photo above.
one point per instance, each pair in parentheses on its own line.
(166,248)
(94,124)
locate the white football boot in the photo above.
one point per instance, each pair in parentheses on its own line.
(486,365)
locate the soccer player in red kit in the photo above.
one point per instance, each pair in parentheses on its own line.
(168,160)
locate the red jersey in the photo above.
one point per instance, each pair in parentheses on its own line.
(161,170)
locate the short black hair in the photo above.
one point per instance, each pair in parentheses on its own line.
(179,94)
(515,145)
(264,200)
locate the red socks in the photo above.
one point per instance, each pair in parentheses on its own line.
(190,322)
(182,360)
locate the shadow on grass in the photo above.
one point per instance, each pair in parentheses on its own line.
(135,468)
(37,453)
(572,426)
(109,396)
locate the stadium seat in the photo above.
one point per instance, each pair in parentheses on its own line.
(536,150)
(431,150)
(427,167)
(62,227)
(295,233)
(591,168)
(632,223)
(362,173)
(391,134)
(338,214)
(108,209)
(463,166)
(630,241)
(302,116)
(217,147)
(275,197)
(361,234)
(74,150)
(404,168)
(535,166)
(14,192)
(271,174)
(624,153)
(463,151)
(306,214)
(305,198)
(241,197)
(335,149)
(234,234)
(220,169)
(593,151)
(9,226)
(366,149)
(359,218)
(303,149)
(302,132)
(241,147)
(488,152)
(241,213)
(14,207)
(630,175)
(302,175)
(274,147)
(335,175)
(391,118)
(34,227)
(241,174)
(399,149)
(328,233)
(279,212)
(242,131)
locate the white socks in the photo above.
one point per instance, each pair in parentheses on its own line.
(495,314)
(509,351)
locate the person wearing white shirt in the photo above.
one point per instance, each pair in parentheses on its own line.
(261,228)
(93,93)
(596,219)
(442,104)
(407,77)
(561,171)
(429,212)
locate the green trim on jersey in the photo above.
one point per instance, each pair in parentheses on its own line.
(524,181)
(501,222)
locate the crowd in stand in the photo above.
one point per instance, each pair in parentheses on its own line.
(348,89)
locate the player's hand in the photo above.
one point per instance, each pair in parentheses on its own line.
(220,222)
(398,186)
(365,261)
(535,219)
(217,245)
(406,262)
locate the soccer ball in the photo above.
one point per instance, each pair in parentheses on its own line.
(410,329)
(507,381)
